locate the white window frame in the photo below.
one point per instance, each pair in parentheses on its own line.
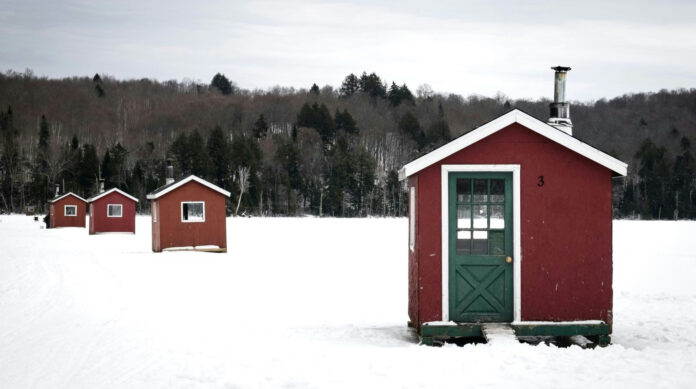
(192,202)
(108,206)
(412,218)
(65,210)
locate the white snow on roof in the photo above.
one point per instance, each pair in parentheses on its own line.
(186,180)
(100,195)
(66,195)
(530,122)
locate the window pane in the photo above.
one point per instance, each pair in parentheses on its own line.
(463,242)
(497,216)
(463,190)
(480,190)
(114,210)
(195,211)
(496,242)
(463,216)
(497,191)
(480,216)
(184,211)
(71,210)
(480,243)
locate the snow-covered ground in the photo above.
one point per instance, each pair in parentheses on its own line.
(301,303)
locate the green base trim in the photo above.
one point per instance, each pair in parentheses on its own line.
(597,333)
(561,329)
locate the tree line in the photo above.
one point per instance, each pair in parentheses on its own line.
(318,151)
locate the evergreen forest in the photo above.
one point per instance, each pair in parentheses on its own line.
(325,151)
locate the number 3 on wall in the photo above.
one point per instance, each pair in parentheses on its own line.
(540,183)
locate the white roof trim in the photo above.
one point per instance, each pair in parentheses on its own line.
(100,195)
(65,195)
(187,180)
(514,116)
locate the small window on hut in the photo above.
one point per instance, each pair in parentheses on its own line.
(114,210)
(71,210)
(412,218)
(192,211)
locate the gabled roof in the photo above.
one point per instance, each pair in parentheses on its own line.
(530,122)
(66,195)
(161,191)
(100,195)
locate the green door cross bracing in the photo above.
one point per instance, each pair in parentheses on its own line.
(480,247)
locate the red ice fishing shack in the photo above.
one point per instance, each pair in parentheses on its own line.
(188,214)
(68,210)
(111,211)
(510,229)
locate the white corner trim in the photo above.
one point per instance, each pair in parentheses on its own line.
(412,218)
(514,116)
(185,181)
(516,233)
(65,210)
(100,195)
(113,205)
(192,221)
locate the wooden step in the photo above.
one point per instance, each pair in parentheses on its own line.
(499,333)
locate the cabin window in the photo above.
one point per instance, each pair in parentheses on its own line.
(114,210)
(71,210)
(412,218)
(192,211)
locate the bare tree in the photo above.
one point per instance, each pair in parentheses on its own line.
(243,174)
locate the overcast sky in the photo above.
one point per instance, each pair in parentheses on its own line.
(465,47)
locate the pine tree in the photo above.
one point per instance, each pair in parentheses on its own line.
(314,89)
(260,127)
(372,85)
(409,125)
(406,95)
(221,82)
(344,121)
(654,178)
(219,151)
(684,183)
(350,86)
(394,95)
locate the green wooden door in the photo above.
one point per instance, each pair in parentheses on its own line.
(480,247)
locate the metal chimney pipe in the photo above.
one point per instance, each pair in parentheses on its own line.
(560,109)
(101,185)
(170,172)
(57,189)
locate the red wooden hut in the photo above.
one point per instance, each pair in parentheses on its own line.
(112,211)
(67,210)
(189,214)
(512,223)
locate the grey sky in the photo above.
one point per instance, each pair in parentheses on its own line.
(463,47)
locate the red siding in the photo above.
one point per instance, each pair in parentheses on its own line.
(100,222)
(566,228)
(170,231)
(57,213)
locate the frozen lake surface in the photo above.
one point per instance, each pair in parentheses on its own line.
(306,303)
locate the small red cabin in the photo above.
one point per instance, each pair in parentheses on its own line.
(68,210)
(511,223)
(189,214)
(112,211)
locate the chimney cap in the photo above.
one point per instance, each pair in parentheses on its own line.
(560,68)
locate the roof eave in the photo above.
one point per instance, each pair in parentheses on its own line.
(514,116)
(156,195)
